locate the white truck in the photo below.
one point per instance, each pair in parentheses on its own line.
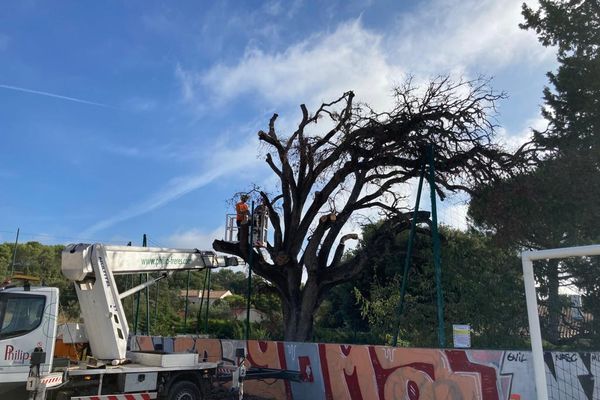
(28,326)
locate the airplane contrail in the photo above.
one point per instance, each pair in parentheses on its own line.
(57,96)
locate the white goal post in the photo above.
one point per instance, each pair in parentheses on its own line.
(537,350)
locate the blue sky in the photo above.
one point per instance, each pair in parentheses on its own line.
(124,118)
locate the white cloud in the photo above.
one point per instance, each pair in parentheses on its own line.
(273,8)
(441,36)
(164,151)
(317,69)
(453,36)
(222,161)
(194,239)
(453,214)
(512,141)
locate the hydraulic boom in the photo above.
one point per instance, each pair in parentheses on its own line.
(93,268)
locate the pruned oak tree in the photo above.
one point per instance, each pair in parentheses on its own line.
(359,162)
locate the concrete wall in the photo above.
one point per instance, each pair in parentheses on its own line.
(334,371)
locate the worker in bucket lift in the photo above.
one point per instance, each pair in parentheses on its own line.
(242,214)
(258,225)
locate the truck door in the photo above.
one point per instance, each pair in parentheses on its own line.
(27,321)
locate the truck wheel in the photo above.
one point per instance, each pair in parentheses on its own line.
(184,390)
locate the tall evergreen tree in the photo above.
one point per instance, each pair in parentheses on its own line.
(557,204)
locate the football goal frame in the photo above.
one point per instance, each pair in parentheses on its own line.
(537,350)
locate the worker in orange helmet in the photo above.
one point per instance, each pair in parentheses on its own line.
(242,213)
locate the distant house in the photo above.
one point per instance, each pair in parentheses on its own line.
(196,296)
(574,322)
(255,315)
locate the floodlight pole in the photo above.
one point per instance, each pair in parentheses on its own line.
(407,259)
(187,300)
(250,252)
(199,313)
(437,256)
(207,300)
(147,291)
(12,268)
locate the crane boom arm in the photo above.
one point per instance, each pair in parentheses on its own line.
(93,267)
(121,260)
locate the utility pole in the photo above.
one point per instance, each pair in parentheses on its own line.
(437,259)
(251,251)
(437,256)
(12,268)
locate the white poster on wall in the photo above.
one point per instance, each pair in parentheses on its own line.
(462,336)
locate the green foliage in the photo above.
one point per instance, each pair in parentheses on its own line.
(482,287)
(165,316)
(226,279)
(220,309)
(225,329)
(349,336)
(43,262)
(571,104)
(236,301)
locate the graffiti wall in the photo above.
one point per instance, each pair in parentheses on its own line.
(359,372)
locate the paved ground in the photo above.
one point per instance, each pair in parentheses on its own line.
(220,393)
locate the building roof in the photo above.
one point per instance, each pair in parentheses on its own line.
(213,294)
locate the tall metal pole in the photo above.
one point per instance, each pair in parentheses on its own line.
(250,252)
(187,299)
(411,239)
(207,303)
(147,291)
(199,314)
(156,304)
(128,285)
(12,268)
(137,296)
(137,309)
(437,257)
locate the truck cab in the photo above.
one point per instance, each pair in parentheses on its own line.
(27,321)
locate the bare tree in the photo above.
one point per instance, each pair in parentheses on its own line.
(359,162)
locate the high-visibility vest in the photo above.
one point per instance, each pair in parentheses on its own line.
(241,209)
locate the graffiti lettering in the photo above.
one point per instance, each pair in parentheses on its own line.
(291,350)
(388,353)
(330,371)
(519,357)
(568,357)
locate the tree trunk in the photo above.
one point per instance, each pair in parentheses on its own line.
(298,313)
(554,306)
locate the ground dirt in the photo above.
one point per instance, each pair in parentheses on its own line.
(223,393)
